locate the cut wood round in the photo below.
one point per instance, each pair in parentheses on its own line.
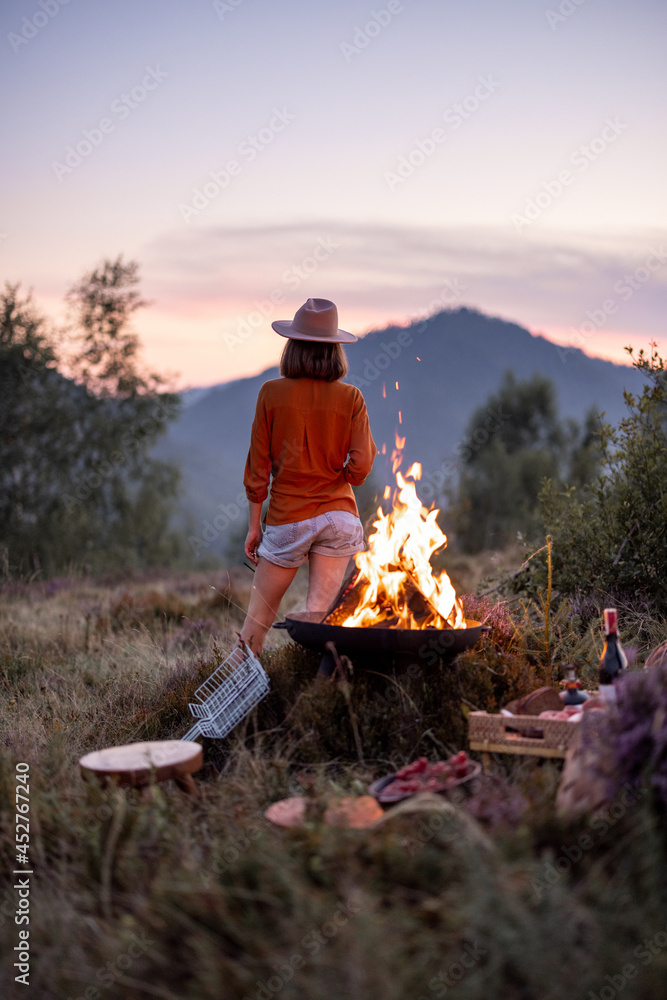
(142,764)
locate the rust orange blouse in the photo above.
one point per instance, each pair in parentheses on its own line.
(311,442)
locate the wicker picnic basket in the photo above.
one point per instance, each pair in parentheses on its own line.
(521,734)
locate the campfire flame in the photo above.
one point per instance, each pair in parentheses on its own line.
(398,585)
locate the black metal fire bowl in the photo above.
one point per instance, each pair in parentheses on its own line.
(379,644)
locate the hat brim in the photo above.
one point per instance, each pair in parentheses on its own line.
(285,329)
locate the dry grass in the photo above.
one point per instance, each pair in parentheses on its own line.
(199,899)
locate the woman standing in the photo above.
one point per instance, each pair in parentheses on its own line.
(310,442)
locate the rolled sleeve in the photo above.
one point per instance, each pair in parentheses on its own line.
(362,450)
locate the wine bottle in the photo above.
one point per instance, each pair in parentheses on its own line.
(613,660)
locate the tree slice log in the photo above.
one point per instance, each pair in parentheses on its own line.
(351,594)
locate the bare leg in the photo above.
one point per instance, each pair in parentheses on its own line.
(268,589)
(325,576)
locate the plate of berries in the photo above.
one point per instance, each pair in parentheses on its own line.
(423,775)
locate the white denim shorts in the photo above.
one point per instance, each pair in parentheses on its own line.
(334,533)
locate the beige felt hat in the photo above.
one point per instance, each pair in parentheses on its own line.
(317,319)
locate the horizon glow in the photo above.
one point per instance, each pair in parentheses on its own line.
(507,157)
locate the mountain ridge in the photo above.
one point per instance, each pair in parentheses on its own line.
(445,367)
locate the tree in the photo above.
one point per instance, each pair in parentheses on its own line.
(610,536)
(105,355)
(30,456)
(513,443)
(77,480)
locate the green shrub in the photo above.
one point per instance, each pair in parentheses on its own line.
(512,443)
(610,538)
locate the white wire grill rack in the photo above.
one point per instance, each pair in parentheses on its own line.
(228,695)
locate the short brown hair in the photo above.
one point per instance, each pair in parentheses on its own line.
(313,359)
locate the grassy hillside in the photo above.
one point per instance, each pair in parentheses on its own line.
(181,898)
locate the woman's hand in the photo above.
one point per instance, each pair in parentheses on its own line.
(253,538)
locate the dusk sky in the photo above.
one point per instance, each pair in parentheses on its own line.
(395,157)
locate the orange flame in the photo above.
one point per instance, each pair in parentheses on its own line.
(399,585)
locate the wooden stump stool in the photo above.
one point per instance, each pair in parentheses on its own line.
(140,765)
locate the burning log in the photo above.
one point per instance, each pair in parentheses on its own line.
(353,593)
(351,596)
(418,603)
(347,598)
(394,585)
